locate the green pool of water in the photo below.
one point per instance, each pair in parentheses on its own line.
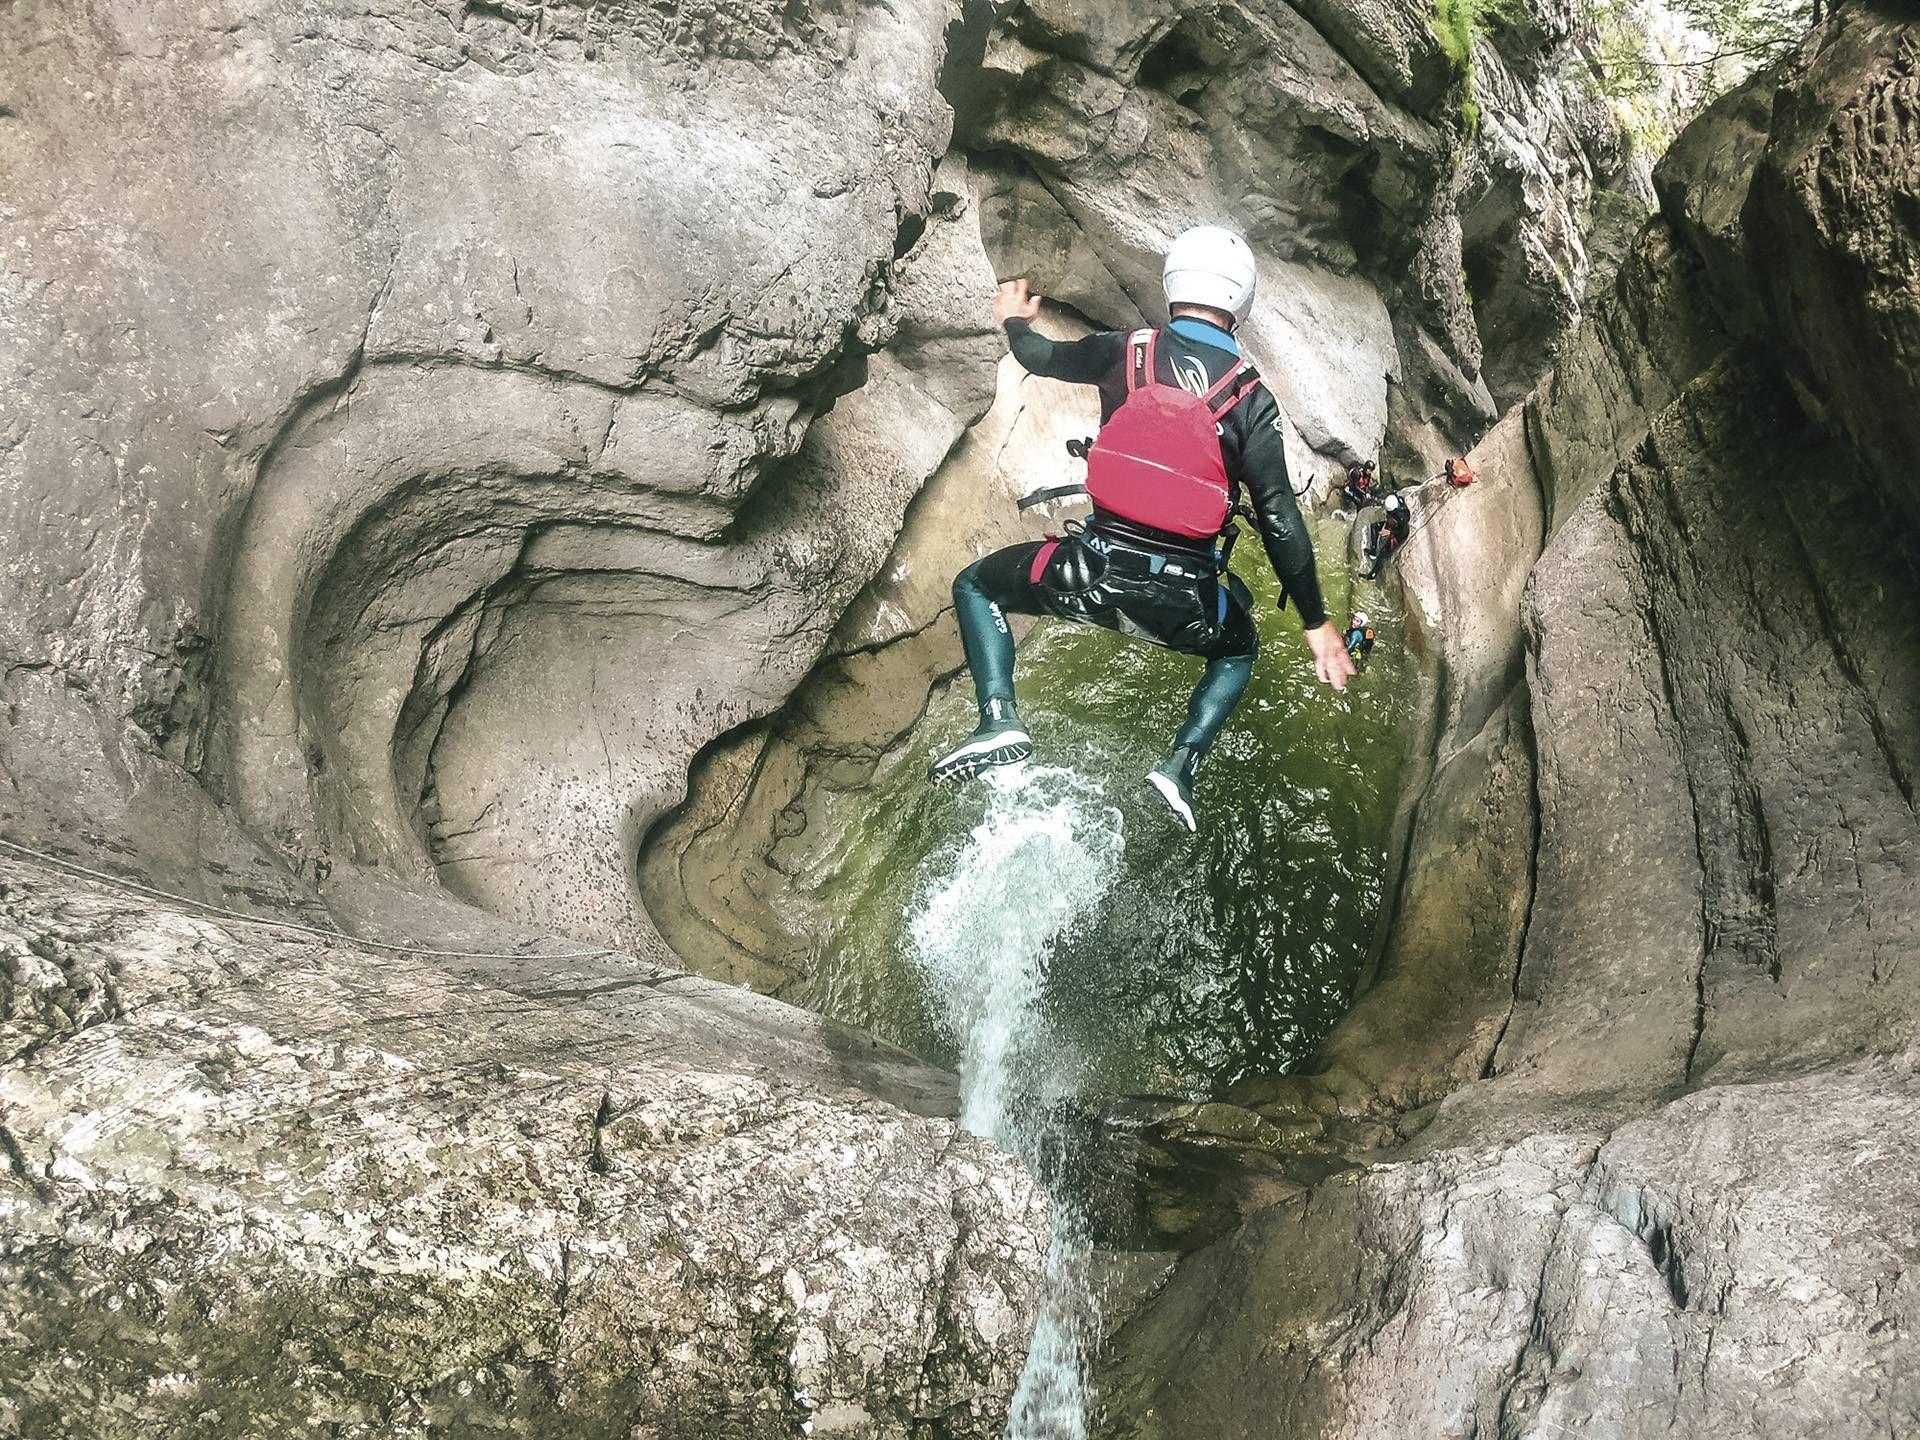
(1202,958)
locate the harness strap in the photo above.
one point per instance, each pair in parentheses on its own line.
(1141,346)
(1051,493)
(1252,383)
(1240,381)
(1040,559)
(1225,382)
(1137,555)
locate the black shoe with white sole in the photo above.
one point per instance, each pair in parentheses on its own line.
(1172,781)
(1000,740)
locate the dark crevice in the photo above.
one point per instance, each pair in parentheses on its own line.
(597,1160)
(911,228)
(1525,721)
(1666,1260)
(1176,66)
(1740,912)
(1662,657)
(19,1167)
(1843,655)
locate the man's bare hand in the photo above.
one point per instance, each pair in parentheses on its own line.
(1331,662)
(1015,302)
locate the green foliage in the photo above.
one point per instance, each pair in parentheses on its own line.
(1453,27)
(1457,25)
(1657,81)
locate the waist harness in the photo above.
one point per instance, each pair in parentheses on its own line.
(1157,461)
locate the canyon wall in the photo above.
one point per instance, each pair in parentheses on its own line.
(434,426)
(427,425)
(1623,1137)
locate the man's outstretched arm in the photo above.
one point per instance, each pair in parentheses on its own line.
(1283,530)
(1085,362)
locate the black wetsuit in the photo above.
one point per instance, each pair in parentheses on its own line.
(1385,536)
(1361,487)
(1159,587)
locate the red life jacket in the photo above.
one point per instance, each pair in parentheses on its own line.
(1157,462)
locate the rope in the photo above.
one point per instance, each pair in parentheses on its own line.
(1426,519)
(1433,513)
(132,887)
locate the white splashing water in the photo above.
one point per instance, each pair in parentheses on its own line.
(984,922)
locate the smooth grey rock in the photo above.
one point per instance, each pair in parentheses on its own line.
(279,1182)
(1707,1270)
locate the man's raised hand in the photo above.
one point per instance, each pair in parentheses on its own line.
(1015,301)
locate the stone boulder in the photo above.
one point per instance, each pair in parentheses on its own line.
(263,1182)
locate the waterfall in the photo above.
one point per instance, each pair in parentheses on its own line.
(985,918)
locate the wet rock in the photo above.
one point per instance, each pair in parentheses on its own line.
(732,893)
(1708,1269)
(1834,247)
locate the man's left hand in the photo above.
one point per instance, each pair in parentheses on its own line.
(1015,301)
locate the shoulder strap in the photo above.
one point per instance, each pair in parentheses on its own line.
(1141,345)
(1049,495)
(1233,387)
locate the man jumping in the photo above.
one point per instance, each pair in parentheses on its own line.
(1186,426)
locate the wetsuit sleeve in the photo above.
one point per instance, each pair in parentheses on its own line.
(1085,362)
(1263,470)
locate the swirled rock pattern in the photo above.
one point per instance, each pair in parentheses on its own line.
(428,424)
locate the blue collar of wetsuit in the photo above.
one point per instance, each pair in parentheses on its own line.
(1204,332)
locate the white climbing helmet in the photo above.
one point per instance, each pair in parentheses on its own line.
(1360,621)
(1209,266)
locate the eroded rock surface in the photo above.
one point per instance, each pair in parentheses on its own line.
(267,1183)
(1705,1270)
(428,425)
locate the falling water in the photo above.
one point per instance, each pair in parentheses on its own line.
(987,914)
(1045,961)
